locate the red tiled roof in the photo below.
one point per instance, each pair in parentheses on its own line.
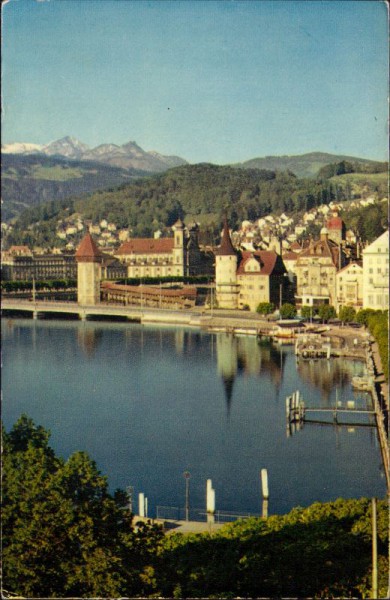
(290,256)
(226,247)
(267,259)
(187,292)
(24,248)
(88,250)
(335,223)
(296,246)
(147,246)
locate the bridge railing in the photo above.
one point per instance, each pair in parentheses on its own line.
(175,513)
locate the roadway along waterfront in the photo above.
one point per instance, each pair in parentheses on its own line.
(195,317)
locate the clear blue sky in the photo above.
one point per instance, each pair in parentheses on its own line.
(217,81)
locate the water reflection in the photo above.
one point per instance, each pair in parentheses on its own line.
(244,356)
(149,402)
(328,375)
(89,338)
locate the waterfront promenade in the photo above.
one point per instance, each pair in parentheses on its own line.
(197,317)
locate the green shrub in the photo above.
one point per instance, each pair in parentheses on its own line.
(288,311)
(265,308)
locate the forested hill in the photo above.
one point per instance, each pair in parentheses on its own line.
(31,180)
(308,165)
(200,192)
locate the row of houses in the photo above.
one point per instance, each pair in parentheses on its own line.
(321,272)
(179,255)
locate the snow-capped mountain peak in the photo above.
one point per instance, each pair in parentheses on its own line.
(67,146)
(126,156)
(20,148)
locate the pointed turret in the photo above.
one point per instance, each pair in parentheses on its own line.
(89,258)
(226,271)
(88,250)
(226,247)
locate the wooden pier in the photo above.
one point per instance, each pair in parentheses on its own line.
(297,414)
(311,346)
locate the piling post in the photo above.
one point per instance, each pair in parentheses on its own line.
(264,484)
(141,504)
(288,408)
(187,476)
(265,492)
(210,497)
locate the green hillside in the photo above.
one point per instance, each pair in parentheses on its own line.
(200,192)
(304,165)
(358,184)
(31,180)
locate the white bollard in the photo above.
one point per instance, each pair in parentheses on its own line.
(264,483)
(146,507)
(141,504)
(210,497)
(288,400)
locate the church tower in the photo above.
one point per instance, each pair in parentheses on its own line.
(178,248)
(227,288)
(89,272)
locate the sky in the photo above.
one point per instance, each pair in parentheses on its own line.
(211,81)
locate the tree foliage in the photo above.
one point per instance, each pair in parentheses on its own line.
(347,314)
(200,192)
(307,312)
(288,311)
(321,551)
(265,308)
(326,312)
(377,322)
(333,169)
(346,166)
(369,222)
(63,533)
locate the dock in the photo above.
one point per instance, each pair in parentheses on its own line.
(171,526)
(298,414)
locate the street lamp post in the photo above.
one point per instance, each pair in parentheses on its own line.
(187,476)
(129,491)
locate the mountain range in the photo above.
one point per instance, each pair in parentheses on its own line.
(67,168)
(131,156)
(126,156)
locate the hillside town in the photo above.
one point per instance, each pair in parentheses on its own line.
(269,260)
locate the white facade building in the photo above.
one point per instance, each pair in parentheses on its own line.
(349,286)
(376,274)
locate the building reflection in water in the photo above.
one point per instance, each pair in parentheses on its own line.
(244,356)
(326,375)
(89,338)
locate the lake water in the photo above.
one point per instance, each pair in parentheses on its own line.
(148,403)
